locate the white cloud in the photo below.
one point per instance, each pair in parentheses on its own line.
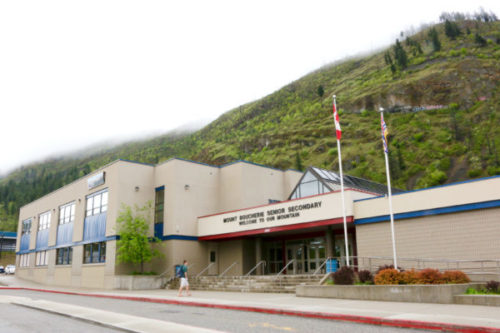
(77,73)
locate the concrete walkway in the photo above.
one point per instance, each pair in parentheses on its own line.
(459,318)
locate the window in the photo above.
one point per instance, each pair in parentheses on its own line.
(26,227)
(64,256)
(94,253)
(24,261)
(159,203)
(44,221)
(67,213)
(42,258)
(97,203)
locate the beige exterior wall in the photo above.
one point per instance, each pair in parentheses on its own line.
(467,235)
(445,196)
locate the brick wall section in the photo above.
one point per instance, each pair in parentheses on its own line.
(467,235)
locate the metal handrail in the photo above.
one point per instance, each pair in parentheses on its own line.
(227,269)
(284,268)
(204,269)
(321,266)
(255,267)
(475,266)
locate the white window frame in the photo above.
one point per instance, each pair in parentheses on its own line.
(42,258)
(97,203)
(67,213)
(44,220)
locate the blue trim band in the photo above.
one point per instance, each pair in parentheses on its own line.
(159,188)
(178,237)
(8,234)
(427,212)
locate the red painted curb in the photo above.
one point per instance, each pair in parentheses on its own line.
(306,314)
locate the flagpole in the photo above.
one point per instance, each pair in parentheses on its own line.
(342,192)
(389,191)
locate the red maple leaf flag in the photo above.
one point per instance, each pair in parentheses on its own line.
(337,123)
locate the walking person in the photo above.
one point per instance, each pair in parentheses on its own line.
(184,279)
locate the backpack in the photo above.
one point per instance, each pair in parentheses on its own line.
(178,271)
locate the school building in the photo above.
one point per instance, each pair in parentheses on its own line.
(239,214)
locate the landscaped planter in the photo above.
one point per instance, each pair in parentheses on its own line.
(431,293)
(139,282)
(490,300)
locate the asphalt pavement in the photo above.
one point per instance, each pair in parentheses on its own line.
(449,317)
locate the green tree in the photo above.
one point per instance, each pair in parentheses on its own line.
(134,245)
(451,30)
(433,35)
(321,91)
(388,61)
(400,55)
(479,40)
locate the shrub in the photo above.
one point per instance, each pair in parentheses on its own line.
(493,286)
(344,276)
(430,276)
(381,268)
(387,276)
(365,276)
(409,277)
(455,277)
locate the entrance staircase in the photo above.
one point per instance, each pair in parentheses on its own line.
(257,283)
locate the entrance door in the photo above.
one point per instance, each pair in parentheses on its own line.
(212,259)
(299,253)
(317,255)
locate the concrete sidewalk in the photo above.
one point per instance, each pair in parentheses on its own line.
(459,318)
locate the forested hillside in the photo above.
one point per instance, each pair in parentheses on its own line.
(440,88)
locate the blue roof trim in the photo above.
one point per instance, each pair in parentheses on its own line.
(136,162)
(432,188)
(428,212)
(53,247)
(251,163)
(186,160)
(178,237)
(159,188)
(8,234)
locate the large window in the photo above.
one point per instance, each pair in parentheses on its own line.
(64,256)
(97,203)
(44,221)
(309,185)
(159,204)
(94,253)
(42,258)
(26,227)
(67,213)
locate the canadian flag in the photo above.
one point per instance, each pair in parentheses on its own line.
(337,123)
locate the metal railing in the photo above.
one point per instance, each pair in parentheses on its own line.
(227,269)
(205,269)
(469,266)
(262,262)
(284,268)
(322,265)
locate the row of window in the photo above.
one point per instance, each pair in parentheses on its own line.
(96,203)
(92,253)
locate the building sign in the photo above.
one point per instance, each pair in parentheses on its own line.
(318,208)
(96,180)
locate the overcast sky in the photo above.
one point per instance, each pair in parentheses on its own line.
(76,73)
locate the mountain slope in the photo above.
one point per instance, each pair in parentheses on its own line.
(443,121)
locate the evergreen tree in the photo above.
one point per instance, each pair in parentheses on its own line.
(320,91)
(433,35)
(479,40)
(400,55)
(388,61)
(451,29)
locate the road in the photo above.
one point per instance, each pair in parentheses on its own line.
(215,319)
